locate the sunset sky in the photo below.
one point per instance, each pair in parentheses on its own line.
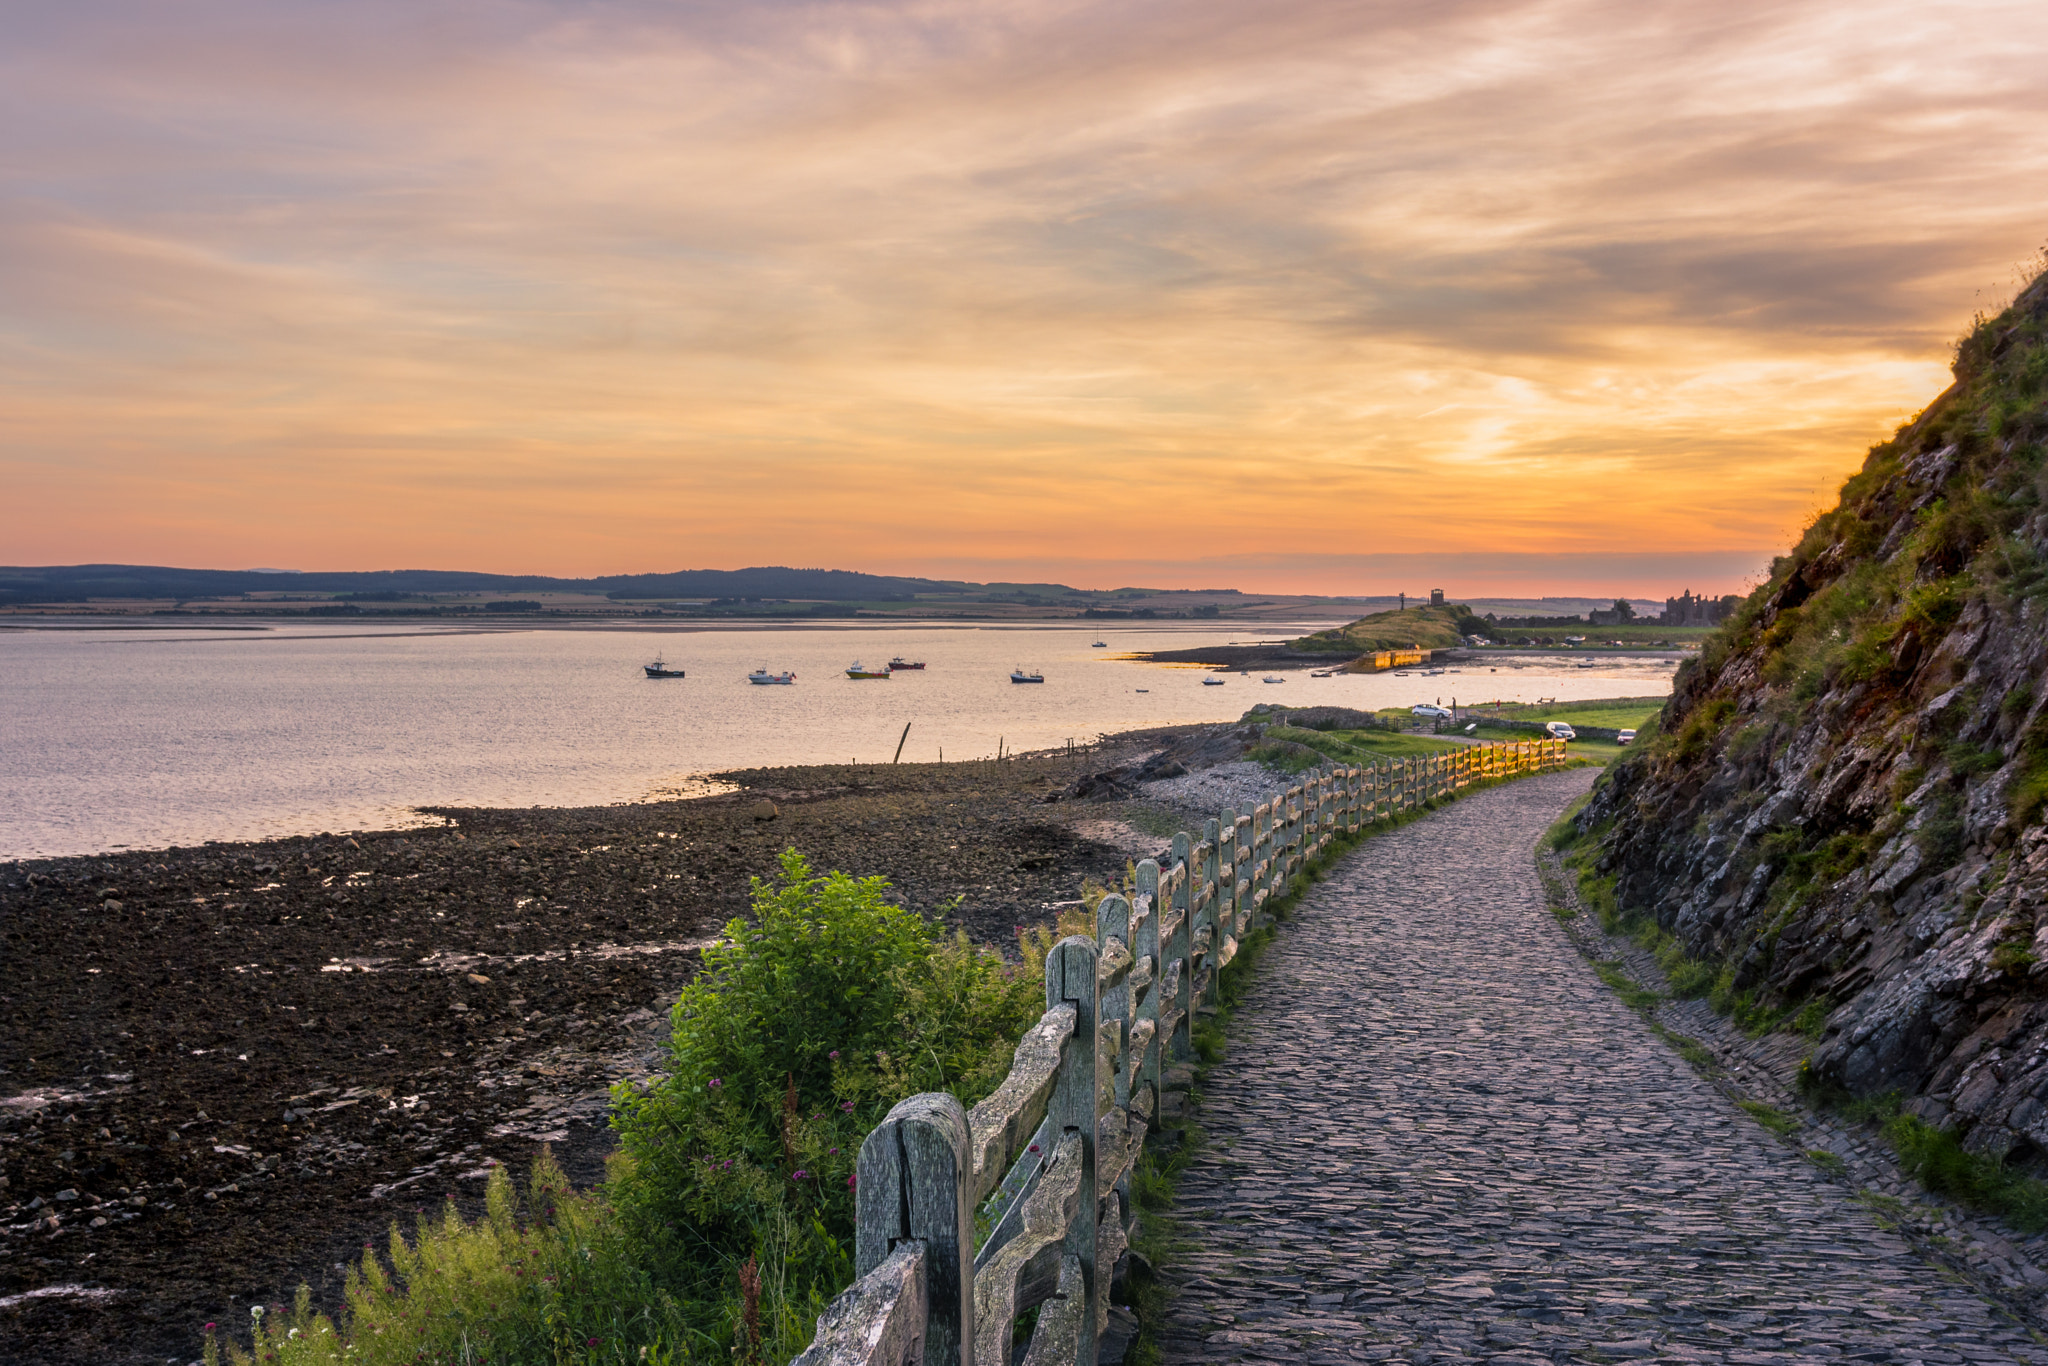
(1514,296)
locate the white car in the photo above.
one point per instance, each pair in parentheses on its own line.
(1433,713)
(1558,730)
(1624,737)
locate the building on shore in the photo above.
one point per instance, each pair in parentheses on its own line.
(1687,610)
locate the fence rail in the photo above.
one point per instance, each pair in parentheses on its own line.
(1043,1164)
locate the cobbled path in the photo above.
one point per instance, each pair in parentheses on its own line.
(1438,1137)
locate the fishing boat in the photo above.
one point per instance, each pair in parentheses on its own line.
(901,663)
(1017,675)
(1100,645)
(1272,678)
(660,670)
(859,670)
(763,676)
(1212,682)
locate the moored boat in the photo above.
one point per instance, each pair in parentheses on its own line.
(1272,678)
(859,670)
(1017,675)
(901,663)
(763,676)
(1212,682)
(660,670)
(1100,645)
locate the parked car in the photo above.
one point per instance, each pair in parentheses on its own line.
(1558,730)
(1434,713)
(1624,737)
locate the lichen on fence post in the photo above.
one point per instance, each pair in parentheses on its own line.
(1145,978)
(915,1181)
(1071,977)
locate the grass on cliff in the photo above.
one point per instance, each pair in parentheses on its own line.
(1752,1010)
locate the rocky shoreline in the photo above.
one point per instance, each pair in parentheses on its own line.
(225,1069)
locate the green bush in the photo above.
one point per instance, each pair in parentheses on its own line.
(804,1027)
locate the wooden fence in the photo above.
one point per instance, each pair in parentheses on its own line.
(966,1219)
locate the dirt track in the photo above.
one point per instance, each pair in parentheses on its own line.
(223,1069)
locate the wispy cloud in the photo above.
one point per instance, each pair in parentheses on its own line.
(582,287)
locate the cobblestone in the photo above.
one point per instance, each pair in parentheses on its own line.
(1438,1137)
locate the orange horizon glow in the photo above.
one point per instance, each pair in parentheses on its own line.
(1518,297)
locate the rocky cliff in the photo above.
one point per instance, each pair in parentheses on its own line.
(1842,807)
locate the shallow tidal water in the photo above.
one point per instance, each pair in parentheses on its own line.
(113,739)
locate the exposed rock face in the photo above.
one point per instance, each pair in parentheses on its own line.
(1843,800)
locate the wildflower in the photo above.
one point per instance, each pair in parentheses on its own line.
(833,1055)
(799,1174)
(846,1106)
(256,1312)
(833,1153)
(716,1083)
(852,1181)
(590,1342)
(209,1328)
(1033,1148)
(728,1164)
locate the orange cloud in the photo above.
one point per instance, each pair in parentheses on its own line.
(1284,295)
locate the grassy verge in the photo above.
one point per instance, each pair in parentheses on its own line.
(1937,1159)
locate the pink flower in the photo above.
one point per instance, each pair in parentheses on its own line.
(847,1106)
(716,1083)
(834,1055)
(852,1181)
(209,1327)
(799,1174)
(590,1342)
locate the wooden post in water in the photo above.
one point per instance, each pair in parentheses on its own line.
(899,743)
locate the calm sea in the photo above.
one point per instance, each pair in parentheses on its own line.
(117,739)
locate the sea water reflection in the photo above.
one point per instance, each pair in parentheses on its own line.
(138,739)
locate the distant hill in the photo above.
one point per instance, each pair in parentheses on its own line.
(77,583)
(1427,628)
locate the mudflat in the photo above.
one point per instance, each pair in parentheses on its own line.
(225,1069)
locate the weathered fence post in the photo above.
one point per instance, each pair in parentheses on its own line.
(1207,933)
(915,1182)
(1145,978)
(1174,948)
(1071,977)
(1246,861)
(1113,942)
